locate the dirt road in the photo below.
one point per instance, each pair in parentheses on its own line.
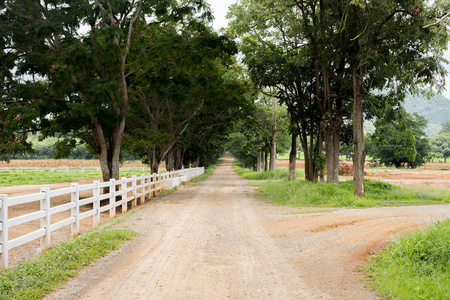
(216,241)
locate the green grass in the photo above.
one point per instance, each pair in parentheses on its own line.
(300,193)
(13,178)
(35,278)
(278,174)
(417,266)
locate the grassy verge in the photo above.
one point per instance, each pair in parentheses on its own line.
(417,266)
(280,173)
(35,278)
(281,191)
(13,178)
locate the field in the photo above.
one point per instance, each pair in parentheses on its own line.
(432,175)
(62,163)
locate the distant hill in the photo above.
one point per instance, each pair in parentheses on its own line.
(436,110)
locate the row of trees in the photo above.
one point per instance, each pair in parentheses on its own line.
(326,60)
(148,77)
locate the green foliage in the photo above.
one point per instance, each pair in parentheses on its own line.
(417,266)
(35,278)
(440,144)
(399,139)
(254,133)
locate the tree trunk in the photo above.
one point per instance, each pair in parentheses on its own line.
(320,152)
(154,162)
(272,165)
(196,163)
(309,159)
(273,146)
(359,155)
(332,151)
(258,162)
(293,156)
(169,160)
(266,162)
(178,159)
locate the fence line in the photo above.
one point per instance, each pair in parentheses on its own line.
(65,169)
(117,193)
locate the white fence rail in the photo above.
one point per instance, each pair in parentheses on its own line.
(117,193)
(66,169)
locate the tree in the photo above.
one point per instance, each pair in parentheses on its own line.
(382,40)
(441,143)
(89,79)
(296,31)
(195,60)
(399,139)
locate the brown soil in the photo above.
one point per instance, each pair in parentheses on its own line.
(433,175)
(214,240)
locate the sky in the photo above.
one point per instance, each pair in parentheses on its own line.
(220,9)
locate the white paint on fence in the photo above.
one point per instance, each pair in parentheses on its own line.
(120,192)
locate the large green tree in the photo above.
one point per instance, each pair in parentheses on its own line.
(170,98)
(441,143)
(88,78)
(399,139)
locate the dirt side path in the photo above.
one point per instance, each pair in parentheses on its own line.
(216,241)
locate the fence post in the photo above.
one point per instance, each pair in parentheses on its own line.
(45,221)
(134,201)
(112,199)
(142,181)
(148,191)
(75,198)
(96,204)
(4,231)
(153,184)
(124,195)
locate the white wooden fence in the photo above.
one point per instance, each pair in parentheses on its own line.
(136,190)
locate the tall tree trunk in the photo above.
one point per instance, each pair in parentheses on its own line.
(273,146)
(331,133)
(308,153)
(332,151)
(169,160)
(266,162)
(196,162)
(258,162)
(359,155)
(320,152)
(178,159)
(293,154)
(154,161)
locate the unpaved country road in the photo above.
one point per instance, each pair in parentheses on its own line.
(215,240)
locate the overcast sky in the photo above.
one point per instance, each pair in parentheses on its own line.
(220,9)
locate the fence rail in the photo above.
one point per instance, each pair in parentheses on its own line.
(66,169)
(116,194)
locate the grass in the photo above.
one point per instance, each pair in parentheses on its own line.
(33,279)
(13,178)
(417,266)
(301,193)
(280,173)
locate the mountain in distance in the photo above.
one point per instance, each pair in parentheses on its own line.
(436,110)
